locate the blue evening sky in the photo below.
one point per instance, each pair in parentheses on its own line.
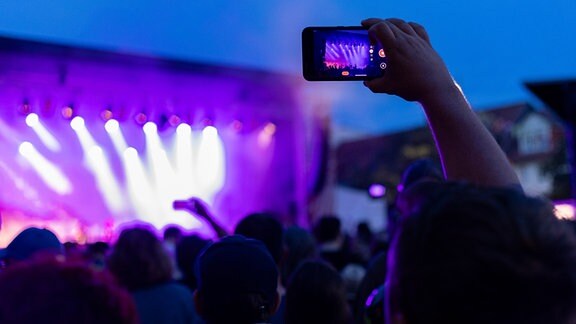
(491,46)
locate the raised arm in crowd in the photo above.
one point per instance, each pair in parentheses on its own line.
(417,73)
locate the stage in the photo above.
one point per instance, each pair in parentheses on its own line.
(92,140)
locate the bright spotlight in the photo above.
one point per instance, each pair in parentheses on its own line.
(130,153)
(150,128)
(184,130)
(45,136)
(48,172)
(32,120)
(95,151)
(139,189)
(113,129)
(77,123)
(100,167)
(163,177)
(26,149)
(185,161)
(210,167)
(105,180)
(112,126)
(210,131)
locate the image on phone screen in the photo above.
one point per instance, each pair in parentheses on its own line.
(340,53)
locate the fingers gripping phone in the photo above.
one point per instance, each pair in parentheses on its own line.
(340,54)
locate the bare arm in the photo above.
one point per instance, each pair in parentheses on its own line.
(417,73)
(199,208)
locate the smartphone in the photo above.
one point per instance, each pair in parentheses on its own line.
(340,54)
(180,204)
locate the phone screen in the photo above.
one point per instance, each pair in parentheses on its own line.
(339,54)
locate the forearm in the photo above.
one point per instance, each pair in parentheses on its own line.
(467,149)
(220,231)
(417,73)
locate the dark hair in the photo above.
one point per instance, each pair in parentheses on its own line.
(327,229)
(300,246)
(374,278)
(364,233)
(420,170)
(237,282)
(316,294)
(478,255)
(49,291)
(139,260)
(95,254)
(187,251)
(172,232)
(266,228)
(98,248)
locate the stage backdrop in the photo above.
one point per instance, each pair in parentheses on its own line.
(92,140)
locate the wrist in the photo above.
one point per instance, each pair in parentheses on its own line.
(439,96)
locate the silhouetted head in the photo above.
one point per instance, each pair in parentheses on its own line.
(30,243)
(266,228)
(237,282)
(327,229)
(478,255)
(49,291)
(172,233)
(316,294)
(420,170)
(139,260)
(187,252)
(369,302)
(300,246)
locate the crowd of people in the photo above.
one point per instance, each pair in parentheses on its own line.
(466,244)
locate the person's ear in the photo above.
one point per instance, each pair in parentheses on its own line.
(198,303)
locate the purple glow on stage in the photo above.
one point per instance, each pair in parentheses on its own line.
(137,133)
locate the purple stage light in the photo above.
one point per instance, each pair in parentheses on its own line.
(25,109)
(141,119)
(377,190)
(174,120)
(106,115)
(207,122)
(67,112)
(237,125)
(270,129)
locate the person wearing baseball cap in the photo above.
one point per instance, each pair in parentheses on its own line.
(237,282)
